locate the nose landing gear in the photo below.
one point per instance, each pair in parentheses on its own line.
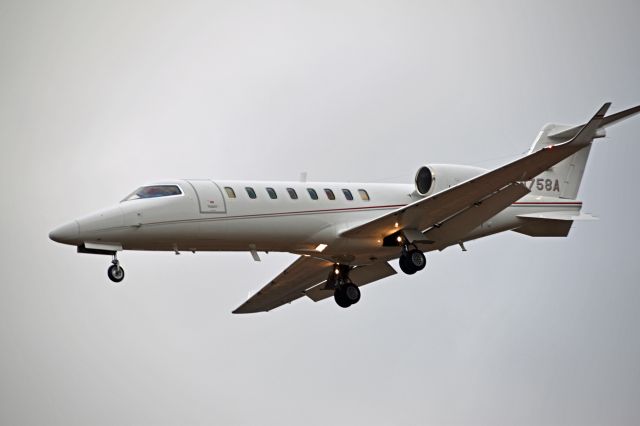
(115,271)
(346,293)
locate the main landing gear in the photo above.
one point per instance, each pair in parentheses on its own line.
(115,271)
(412,260)
(346,293)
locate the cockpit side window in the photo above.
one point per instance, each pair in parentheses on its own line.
(154,191)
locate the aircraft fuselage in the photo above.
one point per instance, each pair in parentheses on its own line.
(203,217)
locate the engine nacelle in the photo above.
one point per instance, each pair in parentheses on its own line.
(434,178)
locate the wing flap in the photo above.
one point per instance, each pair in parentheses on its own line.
(464,222)
(289,285)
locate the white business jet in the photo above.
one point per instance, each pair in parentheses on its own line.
(346,233)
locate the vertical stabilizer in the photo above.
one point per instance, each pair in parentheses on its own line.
(563,179)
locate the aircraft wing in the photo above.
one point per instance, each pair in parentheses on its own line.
(456,227)
(291,284)
(433,210)
(306,277)
(606,122)
(441,215)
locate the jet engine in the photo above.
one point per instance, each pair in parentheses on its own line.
(434,178)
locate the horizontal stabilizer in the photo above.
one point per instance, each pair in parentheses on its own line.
(558,216)
(541,227)
(550,224)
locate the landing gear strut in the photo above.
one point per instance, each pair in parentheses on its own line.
(412,260)
(346,293)
(115,271)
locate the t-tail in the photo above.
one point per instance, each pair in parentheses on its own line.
(558,186)
(563,179)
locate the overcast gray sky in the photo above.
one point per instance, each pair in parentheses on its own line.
(99,97)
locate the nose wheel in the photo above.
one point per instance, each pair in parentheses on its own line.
(115,271)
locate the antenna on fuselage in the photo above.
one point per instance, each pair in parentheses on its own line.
(303,176)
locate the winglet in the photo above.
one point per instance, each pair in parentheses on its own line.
(603,110)
(588,131)
(606,122)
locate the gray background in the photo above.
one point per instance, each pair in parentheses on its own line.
(99,97)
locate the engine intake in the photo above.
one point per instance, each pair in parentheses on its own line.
(424,180)
(438,177)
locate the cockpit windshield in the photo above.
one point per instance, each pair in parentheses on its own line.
(154,192)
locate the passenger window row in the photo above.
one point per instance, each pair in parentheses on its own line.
(313,194)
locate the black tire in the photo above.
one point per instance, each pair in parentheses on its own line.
(406,266)
(115,273)
(417,260)
(351,293)
(340,298)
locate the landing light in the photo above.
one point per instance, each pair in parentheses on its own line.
(321,248)
(399,239)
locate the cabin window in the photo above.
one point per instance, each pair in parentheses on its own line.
(272,193)
(330,194)
(312,193)
(251,193)
(230,192)
(364,194)
(347,194)
(292,193)
(154,191)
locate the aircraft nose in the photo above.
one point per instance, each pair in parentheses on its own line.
(65,234)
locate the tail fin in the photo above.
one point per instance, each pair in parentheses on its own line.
(563,179)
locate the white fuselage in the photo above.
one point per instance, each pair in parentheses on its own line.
(206,218)
(346,233)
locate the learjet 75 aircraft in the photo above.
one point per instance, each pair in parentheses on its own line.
(347,233)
